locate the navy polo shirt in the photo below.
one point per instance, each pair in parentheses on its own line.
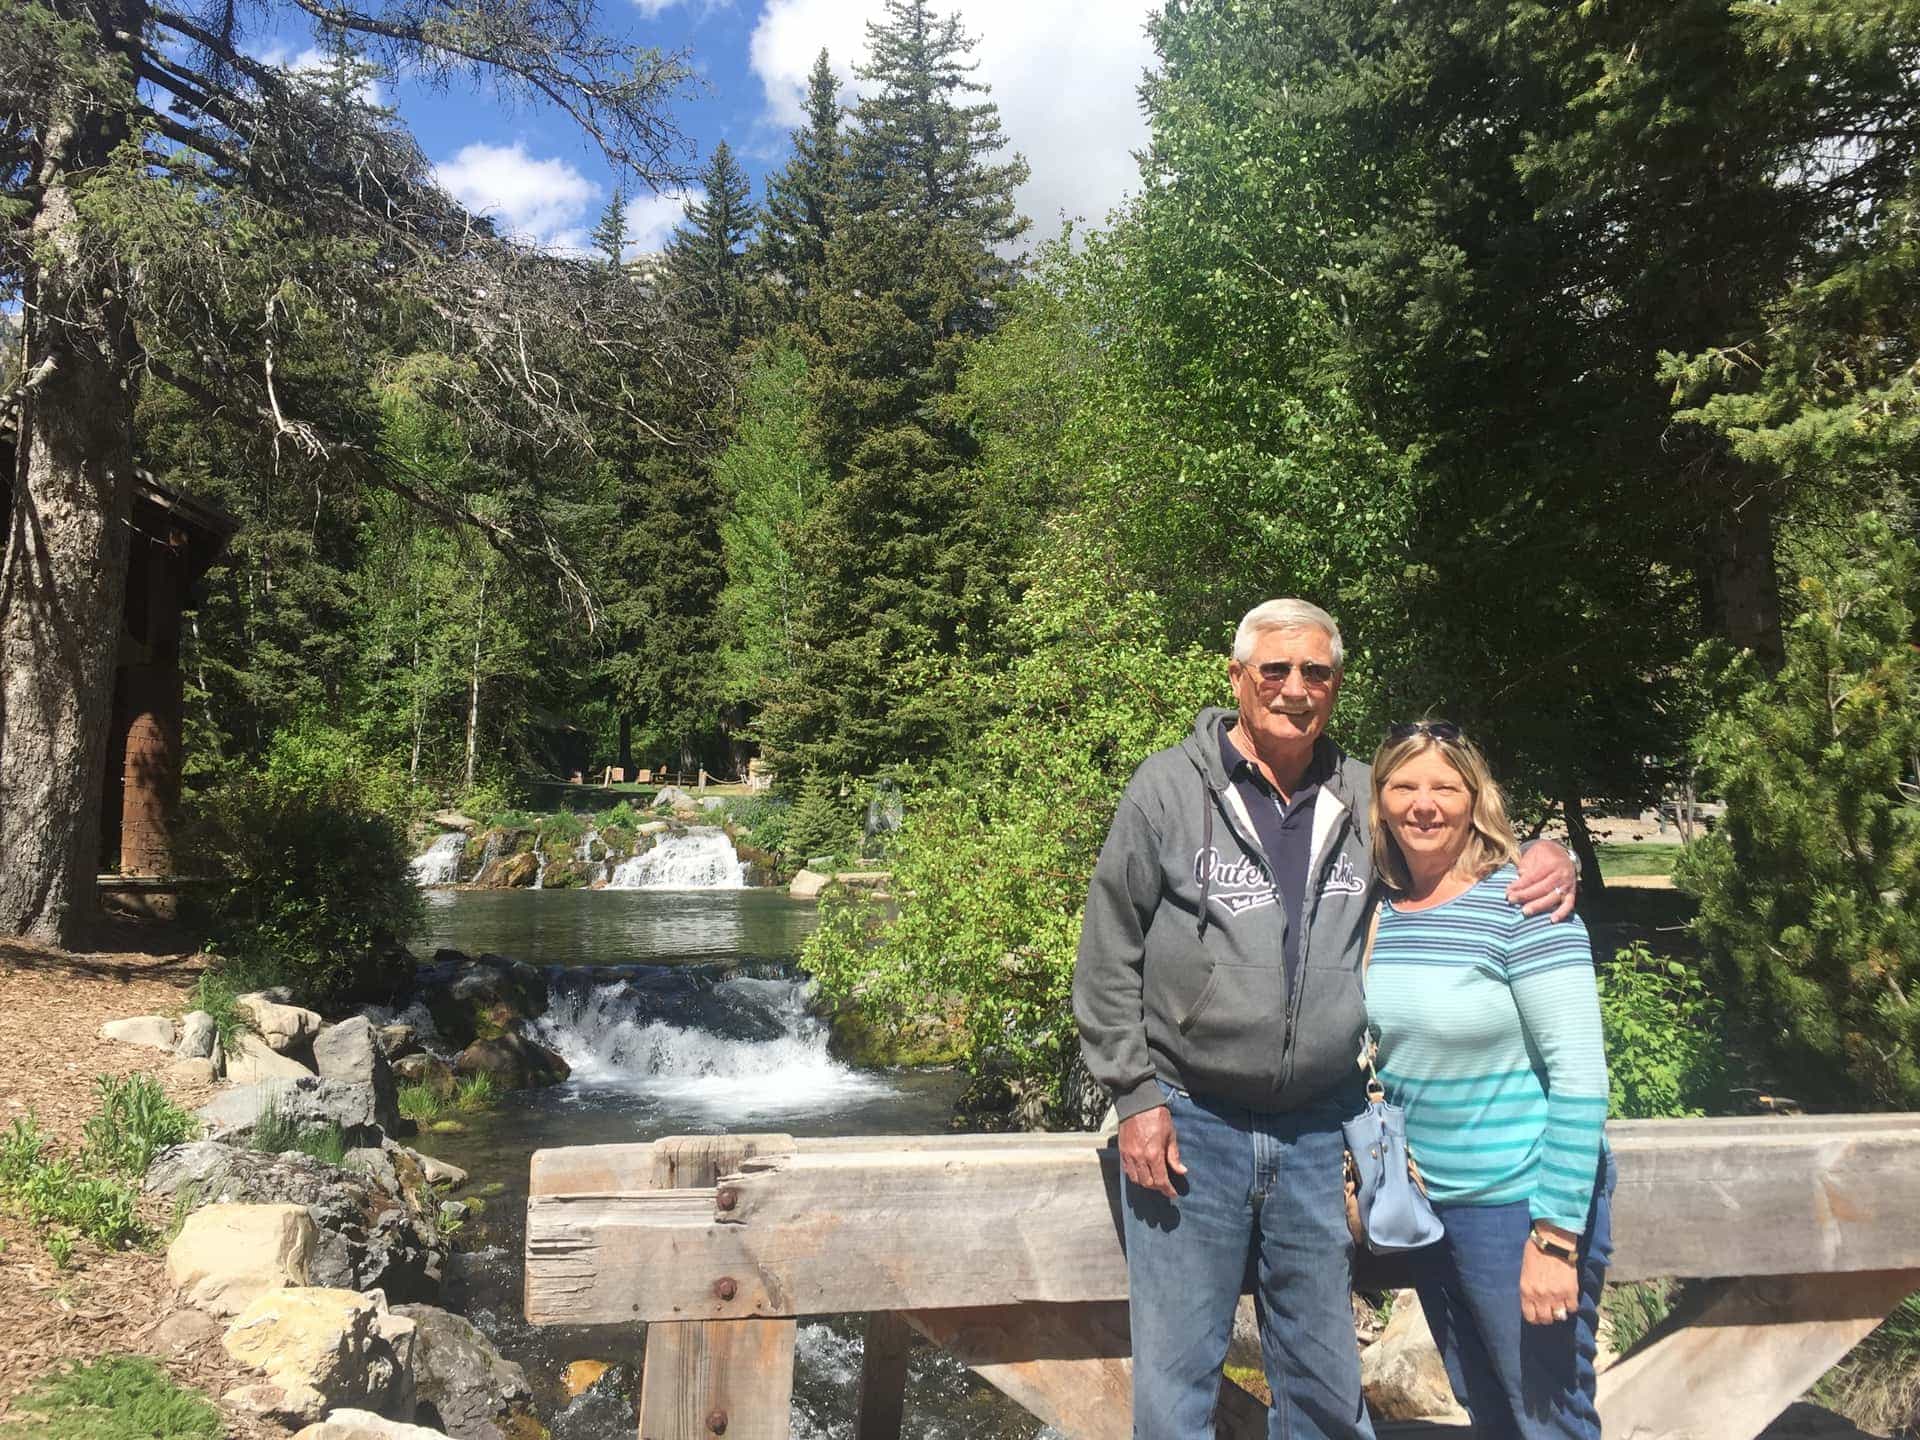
(1284,828)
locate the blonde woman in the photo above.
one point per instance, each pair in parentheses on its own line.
(1489,1033)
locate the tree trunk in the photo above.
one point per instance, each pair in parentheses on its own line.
(1592,883)
(63,581)
(473,701)
(1741,584)
(626,745)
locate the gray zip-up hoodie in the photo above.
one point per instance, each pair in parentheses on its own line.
(1180,973)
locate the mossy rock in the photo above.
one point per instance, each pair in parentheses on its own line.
(447,1127)
(856,1038)
(566,875)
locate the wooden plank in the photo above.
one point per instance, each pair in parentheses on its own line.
(1727,1370)
(730,1377)
(703,1381)
(883,1377)
(820,1231)
(1069,1365)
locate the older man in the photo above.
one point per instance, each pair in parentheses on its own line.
(1218,994)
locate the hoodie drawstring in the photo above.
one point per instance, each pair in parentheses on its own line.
(1206,851)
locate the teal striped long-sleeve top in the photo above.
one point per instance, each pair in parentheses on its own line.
(1489,1031)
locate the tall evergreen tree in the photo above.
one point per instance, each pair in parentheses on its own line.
(790,252)
(903,565)
(707,265)
(610,236)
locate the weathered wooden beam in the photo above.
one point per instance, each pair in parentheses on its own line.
(1069,1365)
(1008,1220)
(883,1377)
(1728,1368)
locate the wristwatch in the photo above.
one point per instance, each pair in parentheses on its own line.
(1548,1245)
(1574,856)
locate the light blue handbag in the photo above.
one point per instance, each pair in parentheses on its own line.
(1387,1205)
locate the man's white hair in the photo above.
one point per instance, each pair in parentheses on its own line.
(1286,615)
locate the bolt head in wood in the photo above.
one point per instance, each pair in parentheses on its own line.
(717,1422)
(725,1287)
(726,1197)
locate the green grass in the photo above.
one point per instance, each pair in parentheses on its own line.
(476,1092)
(1648,859)
(277,1134)
(1878,1385)
(1635,1308)
(421,1104)
(117,1397)
(136,1122)
(62,1196)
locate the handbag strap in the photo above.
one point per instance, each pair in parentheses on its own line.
(1375,1090)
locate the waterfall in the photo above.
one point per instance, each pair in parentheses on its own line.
(596,869)
(729,1047)
(701,859)
(440,864)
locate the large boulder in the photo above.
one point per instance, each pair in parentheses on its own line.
(1401,1371)
(369,1233)
(324,1348)
(308,1103)
(153,1031)
(284,1027)
(258,1062)
(807,885)
(199,1036)
(478,999)
(674,798)
(227,1255)
(425,1069)
(461,1383)
(397,1040)
(350,1052)
(514,1063)
(365,1425)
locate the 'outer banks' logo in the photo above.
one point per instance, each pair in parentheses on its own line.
(1341,880)
(1238,882)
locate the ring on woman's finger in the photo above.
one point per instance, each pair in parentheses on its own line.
(1560,1312)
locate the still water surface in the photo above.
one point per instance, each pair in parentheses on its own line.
(680,1013)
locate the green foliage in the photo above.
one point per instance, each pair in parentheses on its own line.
(59,1195)
(821,821)
(314,867)
(1666,1038)
(1877,1386)
(708,271)
(790,252)
(475,1092)
(135,1122)
(420,1103)
(1810,888)
(215,990)
(1636,1308)
(115,1397)
(276,1133)
(766,821)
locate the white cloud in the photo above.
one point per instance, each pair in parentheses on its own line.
(653,9)
(651,218)
(1065,74)
(546,202)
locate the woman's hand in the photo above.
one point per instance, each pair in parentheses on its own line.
(1549,1286)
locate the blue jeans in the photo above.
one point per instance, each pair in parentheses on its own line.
(1519,1381)
(1265,1187)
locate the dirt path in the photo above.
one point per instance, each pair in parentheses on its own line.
(52,1004)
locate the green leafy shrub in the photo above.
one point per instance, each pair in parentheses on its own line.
(315,864)
(215,992)
(821,821)
(136,1121)
(421,1104)
(475,1092)
(768,821)
(1810,887)
(1666,1038)
(58,1196)
(116,1397)
(621,817)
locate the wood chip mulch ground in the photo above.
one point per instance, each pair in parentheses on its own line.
(52,1005)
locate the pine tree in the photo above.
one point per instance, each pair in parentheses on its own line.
(610,236)
(903,565)
(707,267)
(1810,888)
(790,251)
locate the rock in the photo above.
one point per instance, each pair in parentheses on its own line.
(307,1102)
(424,1069)
(674,796)
(454,820)
(369,1232)
(281,1025)
(155,1031)
(198,1036)
(201,1071)
(227,1255)
(325,1348)
(365,1425)
(514,1062)
(461,1383)
(454,1212)
(258,1062)
(398,1041)
(478,999)
(1401,1372)
(712,802)
(582,1375)
(439,1172)
(183,1330)
(350,1052)
(808,884)
(650,828)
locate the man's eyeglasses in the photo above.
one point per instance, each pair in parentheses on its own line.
(1275,672)
(1433,729)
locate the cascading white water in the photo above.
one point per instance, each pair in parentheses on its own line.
(701,859)
(440,864)
(583,852)
(615,1039)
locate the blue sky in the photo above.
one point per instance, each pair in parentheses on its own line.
(1064,72)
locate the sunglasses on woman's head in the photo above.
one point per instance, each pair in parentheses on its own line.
(1433,729)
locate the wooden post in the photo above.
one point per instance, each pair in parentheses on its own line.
(883,1377)
(704,1379)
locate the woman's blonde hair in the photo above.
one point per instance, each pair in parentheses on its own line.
(1490,840)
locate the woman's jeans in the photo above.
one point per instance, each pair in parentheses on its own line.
(1527,1382)
(1261,1186)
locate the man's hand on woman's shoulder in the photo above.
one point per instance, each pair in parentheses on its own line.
(1547,880)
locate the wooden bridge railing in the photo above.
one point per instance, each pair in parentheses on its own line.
(1006,1250)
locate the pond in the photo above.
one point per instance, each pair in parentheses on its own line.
(681,1012)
